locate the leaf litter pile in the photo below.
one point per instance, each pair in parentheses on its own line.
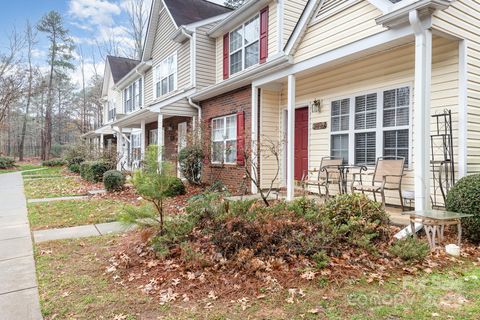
(242,251)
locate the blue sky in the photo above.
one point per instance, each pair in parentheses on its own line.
(90,22)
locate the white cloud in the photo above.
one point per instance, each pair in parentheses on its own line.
(97,12)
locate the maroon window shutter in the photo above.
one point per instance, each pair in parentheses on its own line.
(226,45)
(263,34)
(240,138)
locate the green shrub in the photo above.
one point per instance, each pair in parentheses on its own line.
(191,161)
(321,259)
(410,249)
(93,170)
(175,188)
(353,219)
(113,180)
(74,164)
(74,167)
(464,197)
(57,162)
(6,162)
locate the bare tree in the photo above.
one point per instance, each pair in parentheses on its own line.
(137,12)
(30,35)
(268,150)
(10,76)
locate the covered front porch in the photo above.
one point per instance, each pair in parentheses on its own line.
(136,131)
(363,106)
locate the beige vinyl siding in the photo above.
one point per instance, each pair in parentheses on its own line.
(148,87)
(388,70)
(163,47)
(219,58)
(462,20)
(292,10)
(270,132)
(179,108)
(205,66)
(347,26)
(272,28)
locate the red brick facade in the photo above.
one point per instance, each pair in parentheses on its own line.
(231,175)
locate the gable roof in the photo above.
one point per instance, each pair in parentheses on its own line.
(120,66)
(189,11)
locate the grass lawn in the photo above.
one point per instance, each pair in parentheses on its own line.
(58,214)
(47,171)
(51,188)
(73,284)
(21,167)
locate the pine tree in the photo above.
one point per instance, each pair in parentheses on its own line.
(60,60)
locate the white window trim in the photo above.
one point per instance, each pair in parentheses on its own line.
(243,47)
(142,87)
(379,125)
(224,118)
(158,80)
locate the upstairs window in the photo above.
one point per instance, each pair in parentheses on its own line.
(245,45)
(166,76)
(133,96)
(111,111)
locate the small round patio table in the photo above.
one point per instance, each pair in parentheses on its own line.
(434,222)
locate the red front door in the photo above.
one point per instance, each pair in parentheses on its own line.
(301,142)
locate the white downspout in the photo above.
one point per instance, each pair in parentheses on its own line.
(291,138)
(423,78)
(192,57)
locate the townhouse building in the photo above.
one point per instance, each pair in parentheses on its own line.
(354,79)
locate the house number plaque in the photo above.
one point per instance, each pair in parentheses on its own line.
(319,125)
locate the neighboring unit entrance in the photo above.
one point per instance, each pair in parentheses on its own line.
(301,142)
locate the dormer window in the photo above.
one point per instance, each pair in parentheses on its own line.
(132,96)
(166,76)
(245,45)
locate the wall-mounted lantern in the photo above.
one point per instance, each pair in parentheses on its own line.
(317,105)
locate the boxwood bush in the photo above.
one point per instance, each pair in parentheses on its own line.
(57,162)
(6,162)
(74,164)
(93,170)
(176,188)
(113,180)
(464,197)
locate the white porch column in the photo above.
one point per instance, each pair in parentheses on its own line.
(160,142)
(119,148)
(102,140)
(462,109)
(291,138)
(254,138)
(142,139)
(423,78)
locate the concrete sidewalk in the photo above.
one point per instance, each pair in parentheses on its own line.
(90,230)
(18,285)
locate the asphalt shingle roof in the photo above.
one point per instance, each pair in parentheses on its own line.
(120,66)
(190,11)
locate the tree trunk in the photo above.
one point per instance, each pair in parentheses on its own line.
(47,141)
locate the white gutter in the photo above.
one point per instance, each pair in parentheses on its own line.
(141,67)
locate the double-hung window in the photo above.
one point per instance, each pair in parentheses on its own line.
(396,104)
(132,96)
(136,146)
(245,45)
(340,125)
(224,139)
(166,76)
(364,127)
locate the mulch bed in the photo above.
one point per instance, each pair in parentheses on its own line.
(175,279)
